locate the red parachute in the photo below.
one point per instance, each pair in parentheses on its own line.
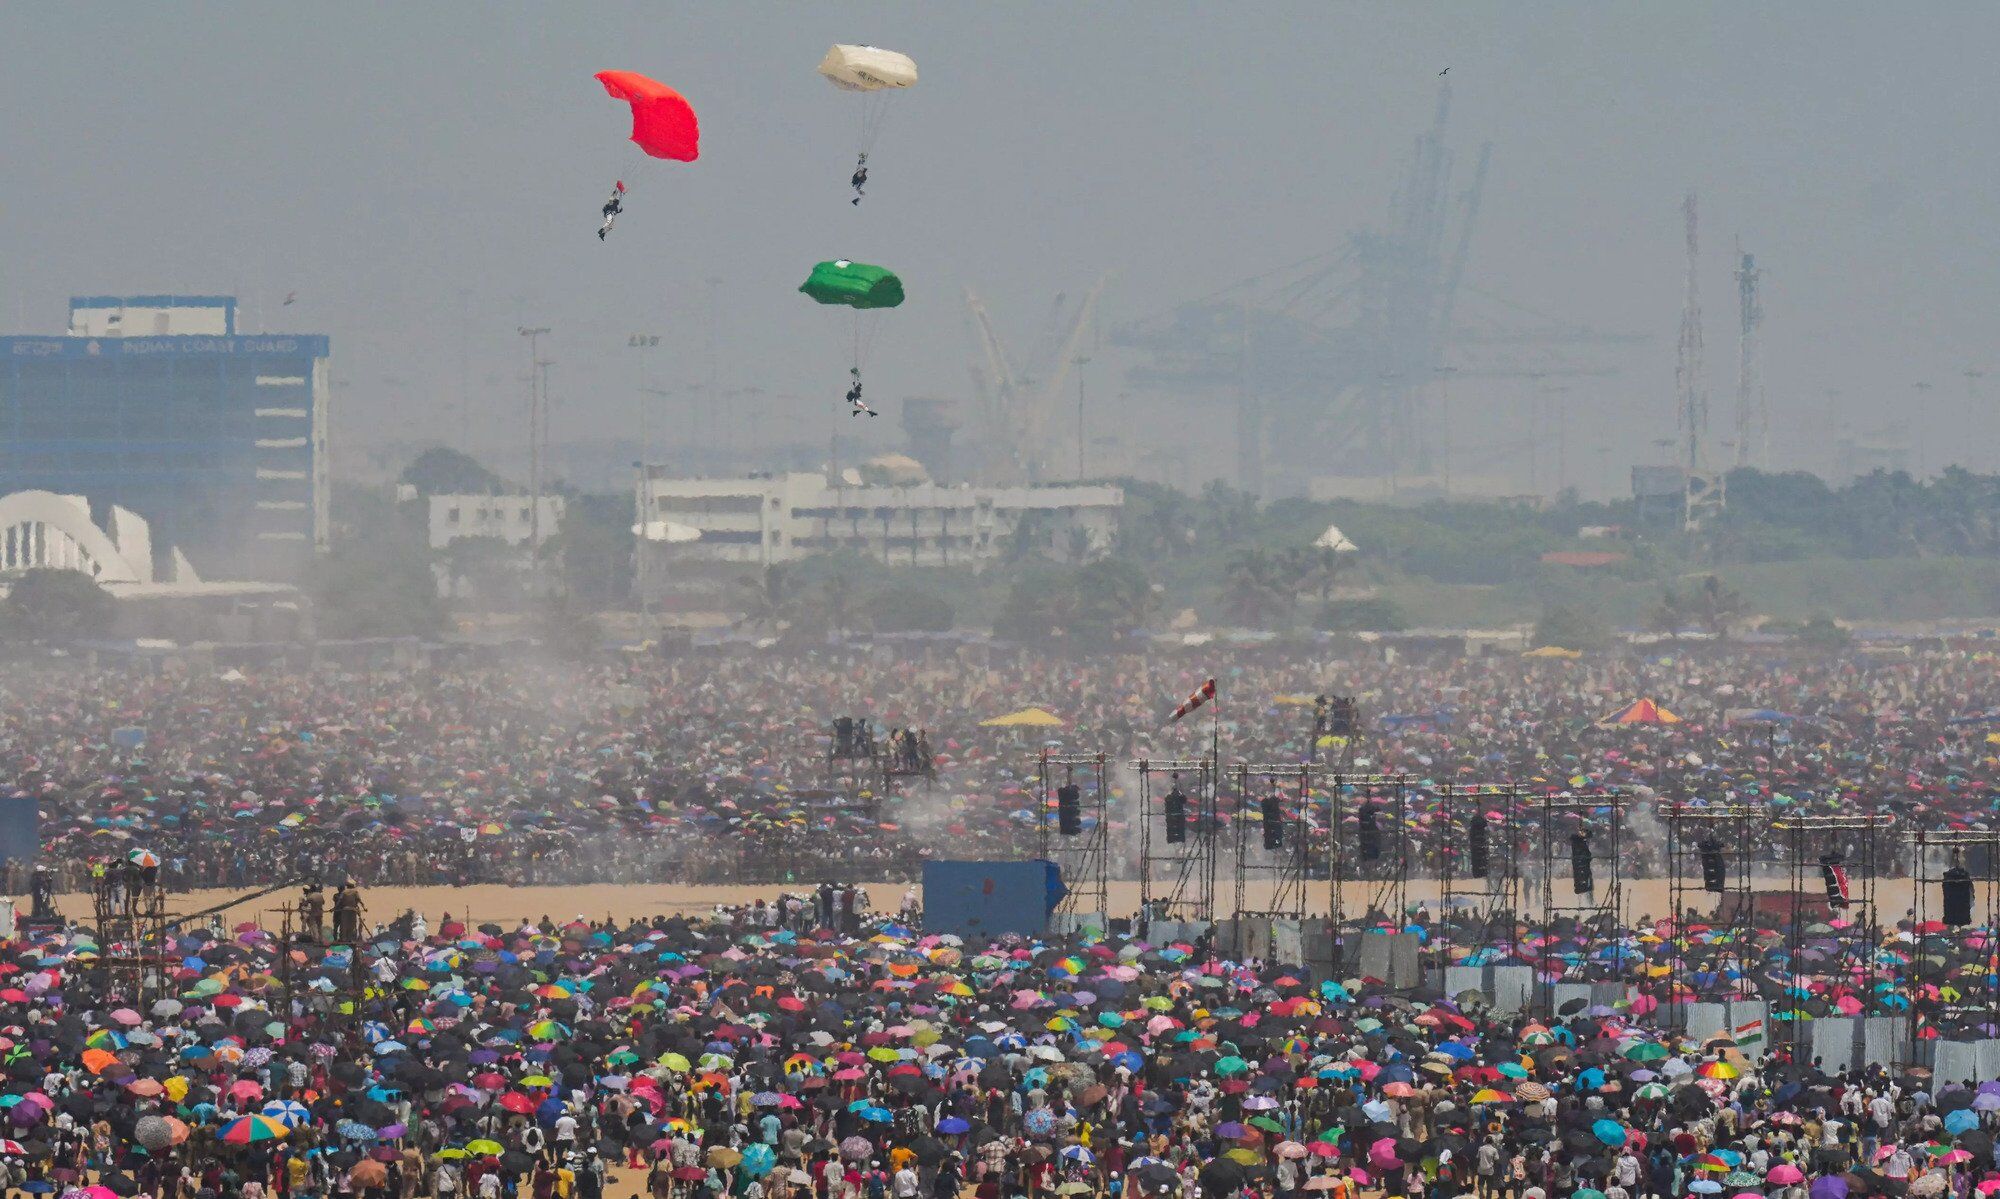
(663,122)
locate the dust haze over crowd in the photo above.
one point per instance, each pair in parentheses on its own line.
(425,179)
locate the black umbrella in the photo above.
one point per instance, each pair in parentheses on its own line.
(1222,1177)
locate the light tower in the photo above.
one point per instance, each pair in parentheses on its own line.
(1753,420)
(1704,494)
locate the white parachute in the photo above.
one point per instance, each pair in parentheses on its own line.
(867,68)
(877,74)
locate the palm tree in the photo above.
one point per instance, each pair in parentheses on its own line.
(1081,546)
(1670,615)
(1157,523)
(767,598)
(836,601)
(1717,608)
(1251,591)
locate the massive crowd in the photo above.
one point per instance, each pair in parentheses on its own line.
(807,1048)
(738,1055)
(461,774)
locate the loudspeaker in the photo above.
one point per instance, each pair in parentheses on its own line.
(1714,870)
(1475,846)
(1069,809)
(1343,719)
(1273,811)
(1371,837)
(1176,817)
(1835,877)
(1958,897)
(1579,863)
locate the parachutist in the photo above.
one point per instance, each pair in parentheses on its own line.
(612,208)
(860,179)
(855,405)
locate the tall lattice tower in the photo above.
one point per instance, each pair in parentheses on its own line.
(1753,420)
(1704,495)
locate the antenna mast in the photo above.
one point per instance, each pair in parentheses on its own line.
(1753,420)
(1704,493)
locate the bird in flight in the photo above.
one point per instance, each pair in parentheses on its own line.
(1446,71)
(290,296)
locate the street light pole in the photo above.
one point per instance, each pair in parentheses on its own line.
(1080,361)
(643,493)
(538,378)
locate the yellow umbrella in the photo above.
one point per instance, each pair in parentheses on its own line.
(1553,651)
(1026,718)
(1292,701)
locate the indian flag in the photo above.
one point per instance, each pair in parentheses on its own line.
(1750,1034)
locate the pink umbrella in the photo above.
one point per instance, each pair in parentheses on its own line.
(1785,1174)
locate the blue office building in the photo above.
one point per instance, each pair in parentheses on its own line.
(158,404)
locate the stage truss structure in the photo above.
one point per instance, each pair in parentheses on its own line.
(1177,879)
(1085,857)
(1983,1003)
(1287,792)
(1856,840)
(1690,828)
(1388,873)
(1488,905)
(1599,817)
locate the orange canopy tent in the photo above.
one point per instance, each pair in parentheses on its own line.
(1642,711)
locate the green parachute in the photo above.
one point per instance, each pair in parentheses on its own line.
(855,284)
(864,288)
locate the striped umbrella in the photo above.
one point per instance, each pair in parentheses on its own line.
(288,1112)
(251,1129)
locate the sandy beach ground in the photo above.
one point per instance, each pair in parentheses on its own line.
(510,905)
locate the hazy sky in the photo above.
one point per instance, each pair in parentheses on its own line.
(426,178)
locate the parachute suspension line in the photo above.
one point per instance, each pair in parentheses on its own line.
(874,111)
(865,335)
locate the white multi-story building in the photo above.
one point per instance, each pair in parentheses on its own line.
(766,519)
(511,518)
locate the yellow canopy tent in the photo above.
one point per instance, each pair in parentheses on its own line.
(1026,718)
(1292,701)
(1553,651)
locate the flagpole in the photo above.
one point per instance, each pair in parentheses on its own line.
(1214,795)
